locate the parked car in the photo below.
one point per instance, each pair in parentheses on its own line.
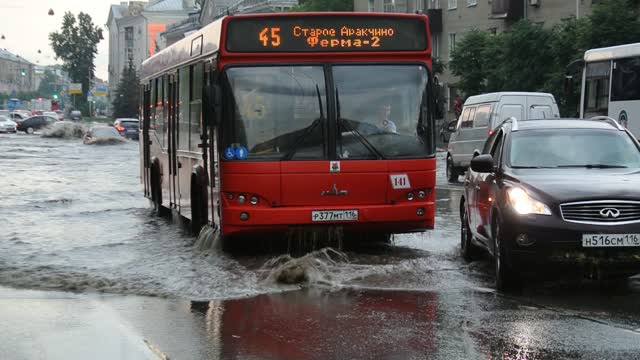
(34,123)
(53,114)
(6,125)
(554,192)
(18,116)
(127,127)
(102,134)
(481,114)
(75,115)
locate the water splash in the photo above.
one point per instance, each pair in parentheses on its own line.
(64,130)
(106,141)
(312,268)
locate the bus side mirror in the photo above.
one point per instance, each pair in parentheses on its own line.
(213,98)
(568,85)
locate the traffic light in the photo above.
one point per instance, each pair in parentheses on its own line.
(55,96)
(23,73)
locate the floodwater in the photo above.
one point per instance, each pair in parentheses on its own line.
(75,219)
(76,228)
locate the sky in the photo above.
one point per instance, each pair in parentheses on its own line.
(26,26)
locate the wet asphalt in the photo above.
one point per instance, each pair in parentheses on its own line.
(86,271)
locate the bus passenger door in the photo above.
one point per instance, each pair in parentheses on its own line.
(146,153)
(210,133)
(172,141)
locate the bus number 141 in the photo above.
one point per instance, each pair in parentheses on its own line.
(270,35)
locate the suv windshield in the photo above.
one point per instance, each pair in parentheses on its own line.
(573,148)
(281,112)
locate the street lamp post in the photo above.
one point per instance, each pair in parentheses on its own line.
(577,9)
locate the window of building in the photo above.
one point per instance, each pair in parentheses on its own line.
(371,7)
(453,4)
(433,4)
(452,43)
(435,45)
(420,5)
(389,5)
(472,2)
(493,31)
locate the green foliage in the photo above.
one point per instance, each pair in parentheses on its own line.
(77,45)
(48,85)
(127,94)
(532,58)
(469,62)
(324,5)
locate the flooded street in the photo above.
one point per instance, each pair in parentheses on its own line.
(77,228)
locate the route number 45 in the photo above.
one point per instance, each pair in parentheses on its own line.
(270,35)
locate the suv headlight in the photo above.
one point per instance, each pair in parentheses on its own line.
(524,204)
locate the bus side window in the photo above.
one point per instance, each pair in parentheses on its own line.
(183,108)
(165,111)
(195,105)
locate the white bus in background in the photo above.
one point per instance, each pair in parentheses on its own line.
(611,85)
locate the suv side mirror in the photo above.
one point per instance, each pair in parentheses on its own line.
(482,163)
(452,126)
(476,153)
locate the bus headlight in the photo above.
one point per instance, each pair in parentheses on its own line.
(241,199)
(524,204)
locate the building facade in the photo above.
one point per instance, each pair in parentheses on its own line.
(16,73)
(451,19)
(134,28)
(214,9)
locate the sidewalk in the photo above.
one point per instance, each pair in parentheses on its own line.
(57,325)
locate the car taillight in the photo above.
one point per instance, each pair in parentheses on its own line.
(120,128)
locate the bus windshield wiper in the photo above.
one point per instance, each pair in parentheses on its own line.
(308,130)
(357,133)
(594,166)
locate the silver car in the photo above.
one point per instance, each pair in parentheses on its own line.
(6,125)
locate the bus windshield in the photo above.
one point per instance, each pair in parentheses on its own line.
(379,110)
(281,112)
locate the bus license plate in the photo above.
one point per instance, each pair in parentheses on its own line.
(334,215)
(610,240)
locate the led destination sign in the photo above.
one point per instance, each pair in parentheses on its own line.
(326,33)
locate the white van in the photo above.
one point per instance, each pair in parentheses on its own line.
(483,113)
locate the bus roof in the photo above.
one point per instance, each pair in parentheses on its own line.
(613,52)
(208,40)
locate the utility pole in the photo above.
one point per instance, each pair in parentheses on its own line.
(577,9)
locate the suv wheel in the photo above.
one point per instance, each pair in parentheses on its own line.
(452,172)
(506,278)
(468,250)
(29,130)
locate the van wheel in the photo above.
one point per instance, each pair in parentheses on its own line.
(452,172)
(30,130)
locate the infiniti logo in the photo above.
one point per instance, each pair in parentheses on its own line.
(610,213)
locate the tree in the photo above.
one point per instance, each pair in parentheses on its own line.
(48,85)
(127,94)
(469,63)
(324,5)
(77,45)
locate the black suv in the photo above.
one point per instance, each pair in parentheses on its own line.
(554,192)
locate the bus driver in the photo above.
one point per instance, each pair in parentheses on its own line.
(381,123)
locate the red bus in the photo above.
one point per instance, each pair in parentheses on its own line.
(271,122)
